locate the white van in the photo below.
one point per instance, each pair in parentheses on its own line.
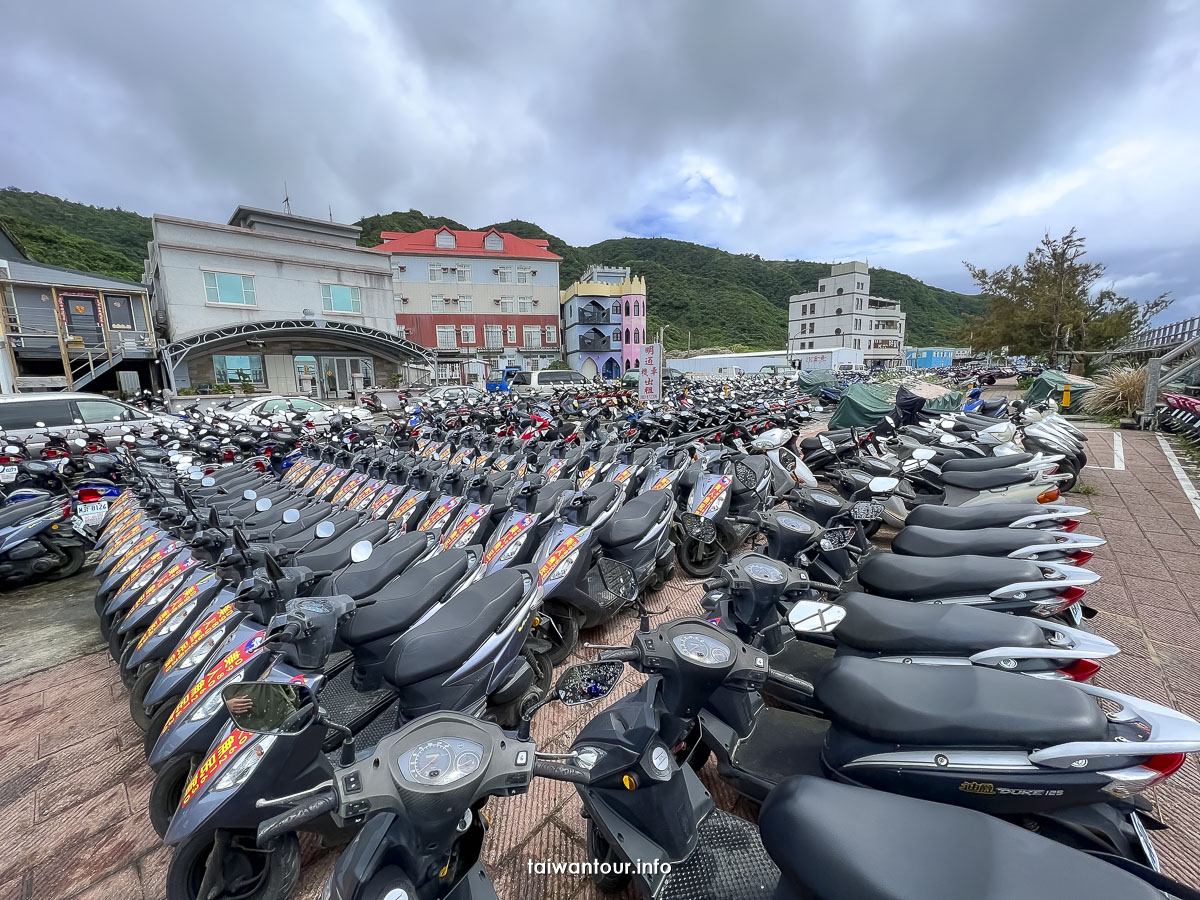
(546,381)
(729,371)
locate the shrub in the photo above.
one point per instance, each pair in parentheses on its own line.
(1118,391)
(187,392)
(223,388)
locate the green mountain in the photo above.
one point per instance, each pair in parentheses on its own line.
(702,296)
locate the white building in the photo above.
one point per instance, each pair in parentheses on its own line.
(842,312)
(279,300)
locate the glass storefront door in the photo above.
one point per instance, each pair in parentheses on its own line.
(336,374)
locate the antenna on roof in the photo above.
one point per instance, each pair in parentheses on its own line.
(287,200)
(330,212)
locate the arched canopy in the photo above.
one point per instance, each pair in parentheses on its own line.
(346,335)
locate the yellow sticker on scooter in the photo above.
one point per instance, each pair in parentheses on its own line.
(711,497)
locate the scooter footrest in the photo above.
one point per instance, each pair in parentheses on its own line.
(729,862)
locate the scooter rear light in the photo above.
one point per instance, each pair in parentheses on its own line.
(51,453)
(1080,557)
(1135,779)
(1070,525)
(9,460)
(1081,670)
(88,495)
(1048,496)
(227,456)
(1052,606)
(1052,470)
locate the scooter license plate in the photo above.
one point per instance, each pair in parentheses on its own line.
(92,513)
(1076,614)
(8,474)
(866,511)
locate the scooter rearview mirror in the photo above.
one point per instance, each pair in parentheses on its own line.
(814,617)
(290,516)
(883,484)
(325,529)
(248,494)
(587,682)
(361,551)
(265,707)
(827,445)
(208,481)
(262,504)
(79,442)
(923,454)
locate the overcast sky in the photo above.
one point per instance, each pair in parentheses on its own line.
(914,134)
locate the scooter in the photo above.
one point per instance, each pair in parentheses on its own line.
(37,540)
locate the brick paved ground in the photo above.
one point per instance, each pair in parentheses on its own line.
(73,782)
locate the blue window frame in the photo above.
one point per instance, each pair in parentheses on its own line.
(232,290)
(340,298)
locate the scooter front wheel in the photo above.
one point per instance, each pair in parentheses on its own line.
(167,791)
(602,852)
(249,873)
(699,559)
(75,557)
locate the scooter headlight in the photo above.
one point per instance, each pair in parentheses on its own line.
(177,619)
(213,701)
(561,570)
(163,592)
(836,538)
(245,763)
(587,757)
(511,550)
(200,652)
(698,528)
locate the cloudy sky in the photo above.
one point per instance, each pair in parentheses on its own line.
(916,134)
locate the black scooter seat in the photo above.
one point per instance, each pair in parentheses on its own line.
(26,509)
(336,553)
(401,602)
(548,495)
(838,840)
(928,577)
(884,625)
(604,492)
(633,521)
(986,463)
(987,515)
(362,579)
(448,638)
(955,706)
(992,404)
(982,481)
(916,540)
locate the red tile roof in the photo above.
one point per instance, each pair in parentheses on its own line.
(468,243)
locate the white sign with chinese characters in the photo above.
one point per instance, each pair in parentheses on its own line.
(650,377)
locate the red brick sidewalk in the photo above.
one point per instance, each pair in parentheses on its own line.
(73,782)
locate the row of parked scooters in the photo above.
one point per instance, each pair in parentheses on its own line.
(382,622)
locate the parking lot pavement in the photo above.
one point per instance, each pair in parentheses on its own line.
(46,624)
(73,783)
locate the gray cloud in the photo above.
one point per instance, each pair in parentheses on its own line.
(918,134)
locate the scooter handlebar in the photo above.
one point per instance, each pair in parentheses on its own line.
(715,584)
(559,772)
(293,818)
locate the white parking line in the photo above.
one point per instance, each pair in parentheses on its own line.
(1189,489)
(1118,453)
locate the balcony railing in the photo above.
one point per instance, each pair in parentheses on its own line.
(590,317)
(595,345)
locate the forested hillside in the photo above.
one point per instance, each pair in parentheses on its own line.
(729,300)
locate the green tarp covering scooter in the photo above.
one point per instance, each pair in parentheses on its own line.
(866,404)
(1052,383)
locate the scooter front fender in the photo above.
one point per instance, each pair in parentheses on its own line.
(165,632)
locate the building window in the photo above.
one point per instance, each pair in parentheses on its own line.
(636,308)
(504,274)
(447,372)
(444,239)
(822,290)
(512,334)
(445,337)
(435,272)
(522,275)
(507,305)
(840,291)
(493,242)
(637,336)
(493,336)
(837,331)
(858,324)
(466,304)
(340,298)
(627,336)
(551,334)
(616,308)
(467,334)
(437,303)
(838,311)
(227,369)
(626,307)
(464,272)
(525,304)
(857,345)
(858,304)
(533,336)
(234,290)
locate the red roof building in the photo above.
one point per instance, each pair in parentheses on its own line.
(478,299)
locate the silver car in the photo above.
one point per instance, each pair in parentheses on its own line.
(29,416)
(254,408)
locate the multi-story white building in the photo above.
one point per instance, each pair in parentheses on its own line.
(278,300)
(472,296)
(842,312)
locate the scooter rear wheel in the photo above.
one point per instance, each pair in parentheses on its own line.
(167,790)
(137,696)
(75,558)
(256,874)
(158,722)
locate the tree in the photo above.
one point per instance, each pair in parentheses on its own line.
(1051,304)
(556,365)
